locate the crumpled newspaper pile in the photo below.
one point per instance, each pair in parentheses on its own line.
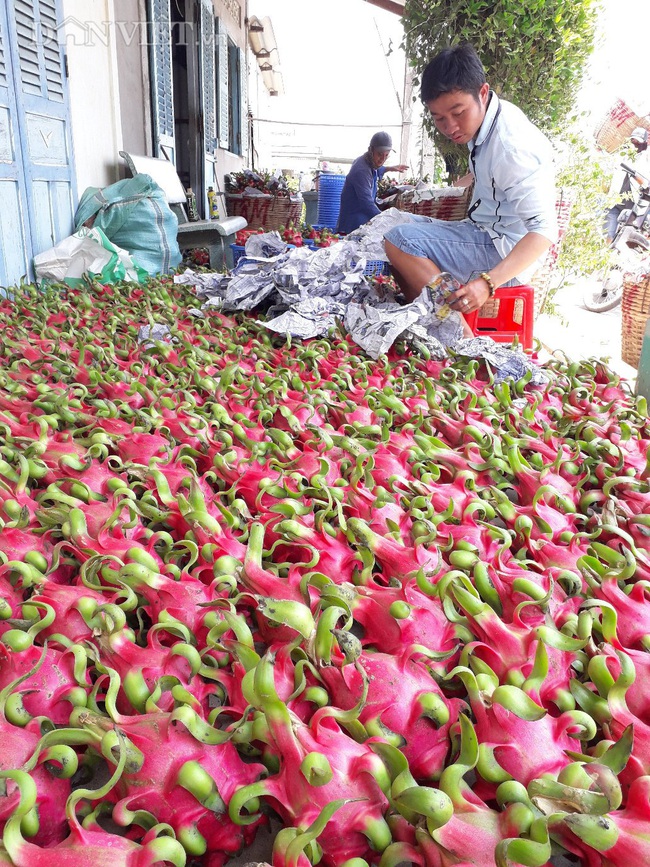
(310,291)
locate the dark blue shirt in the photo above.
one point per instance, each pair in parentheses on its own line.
(358,195)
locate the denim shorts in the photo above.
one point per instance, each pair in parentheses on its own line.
(458,246)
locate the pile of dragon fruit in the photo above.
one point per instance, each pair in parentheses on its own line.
(396,610)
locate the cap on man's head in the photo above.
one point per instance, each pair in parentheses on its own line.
(381,141)
(639,134)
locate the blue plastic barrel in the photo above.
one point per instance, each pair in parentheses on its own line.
(329,199)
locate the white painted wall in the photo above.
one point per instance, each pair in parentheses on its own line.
(233,14)
(106,44)
(134,79)
(90,43)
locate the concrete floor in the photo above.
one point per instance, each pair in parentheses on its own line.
(581,334)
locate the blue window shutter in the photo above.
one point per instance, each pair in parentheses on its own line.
(243,96)
(15,240)
(208,57)
(4,81)
(39,54)
(27,45)
(51,59)
(162,81)
(222,59)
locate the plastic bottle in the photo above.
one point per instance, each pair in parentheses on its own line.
(213,204)
(192,210)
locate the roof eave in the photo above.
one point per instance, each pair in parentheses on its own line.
(394,6)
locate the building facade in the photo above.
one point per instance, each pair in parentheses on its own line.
(81,81)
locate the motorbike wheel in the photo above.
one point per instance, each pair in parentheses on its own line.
(605,294)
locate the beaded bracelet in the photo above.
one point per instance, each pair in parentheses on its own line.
(490,282)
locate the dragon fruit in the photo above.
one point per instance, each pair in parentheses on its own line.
(88,844)
(474,832)
(43,682)
(403,704)
(181,781)
(45,818)
(518,738)
(619,837)
(148,671)
(318,764)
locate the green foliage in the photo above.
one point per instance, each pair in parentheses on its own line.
(386,186)
(584,175)
(534,51)
(264,181)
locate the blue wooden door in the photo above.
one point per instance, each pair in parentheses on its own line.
(37,192)
(39,73)
(15,241)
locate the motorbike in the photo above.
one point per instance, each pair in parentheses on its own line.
(630,243)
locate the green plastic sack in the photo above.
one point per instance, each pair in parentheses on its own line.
(87,253)
(134,214)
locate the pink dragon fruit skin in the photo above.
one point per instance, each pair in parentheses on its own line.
(139,448)
(10,596)
(68,601)
(16,543)
(97,475)
(514,731)
(621,717)
(90,845)
(383,518)
(101,516)
(633,845)
(300,803)
(425,626)
(167,746)
(508,647)
(403,697)
(262,581)
(50,688)
(297,542)
(140,668)
(525,749)
(107,541)
(351,774)
(633,612)
(183,598)
(474,830)
(394,559)
(469,839)
(18,746)
(635,698)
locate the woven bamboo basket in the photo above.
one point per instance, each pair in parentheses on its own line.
(443,207)
(635,309)
(617,125)
(265,212)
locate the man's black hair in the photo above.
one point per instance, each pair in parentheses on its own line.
(456,68)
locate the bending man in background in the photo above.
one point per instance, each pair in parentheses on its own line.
(358,197)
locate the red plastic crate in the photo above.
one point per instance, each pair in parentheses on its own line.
(508,315)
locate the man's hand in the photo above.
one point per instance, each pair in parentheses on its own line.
(471,296)
(400,168)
